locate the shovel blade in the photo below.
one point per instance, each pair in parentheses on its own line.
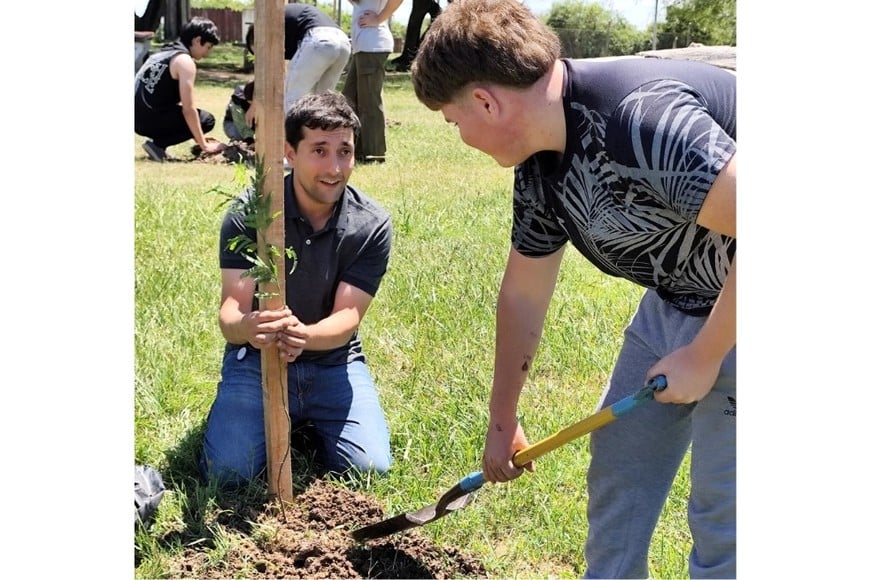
(430,513)
(456,498)
(393,525)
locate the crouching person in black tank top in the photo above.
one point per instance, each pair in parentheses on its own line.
(164,109)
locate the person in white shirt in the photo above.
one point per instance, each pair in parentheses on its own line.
(371,45)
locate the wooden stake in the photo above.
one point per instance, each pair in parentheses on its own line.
(269,99)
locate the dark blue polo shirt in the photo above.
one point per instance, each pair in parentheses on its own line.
(353,247)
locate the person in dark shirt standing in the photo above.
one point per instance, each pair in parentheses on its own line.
(164,106)
(413,36)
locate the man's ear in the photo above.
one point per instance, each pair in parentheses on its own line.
(289,153)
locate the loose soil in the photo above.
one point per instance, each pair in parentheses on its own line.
(310,538)
(234,152)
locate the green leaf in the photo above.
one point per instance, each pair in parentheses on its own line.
(255,211)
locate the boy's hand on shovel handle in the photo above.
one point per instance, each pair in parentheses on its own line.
(503,440)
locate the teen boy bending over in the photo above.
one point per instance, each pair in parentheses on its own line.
(634,163)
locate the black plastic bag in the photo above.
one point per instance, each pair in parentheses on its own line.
(148,490)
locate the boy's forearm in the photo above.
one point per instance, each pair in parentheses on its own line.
(519,326)
(719,334)
(191,115)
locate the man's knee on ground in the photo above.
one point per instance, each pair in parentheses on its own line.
(227,471)
(376,462)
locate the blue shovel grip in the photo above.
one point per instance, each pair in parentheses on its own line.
(472,482)
(654,385)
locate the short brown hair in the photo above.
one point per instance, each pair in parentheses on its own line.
(328,111)
(496,41)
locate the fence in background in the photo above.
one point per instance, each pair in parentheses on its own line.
(232,24)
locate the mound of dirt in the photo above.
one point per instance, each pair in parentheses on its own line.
(310,538)
(234,152)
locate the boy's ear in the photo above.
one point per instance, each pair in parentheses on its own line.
(486,100)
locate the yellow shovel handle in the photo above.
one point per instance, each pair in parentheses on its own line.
(544,446)
(591,423)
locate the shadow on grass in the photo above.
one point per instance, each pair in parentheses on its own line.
(206,507)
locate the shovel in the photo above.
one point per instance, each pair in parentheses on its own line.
(458,496)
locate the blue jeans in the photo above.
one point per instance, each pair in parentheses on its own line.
(339,403)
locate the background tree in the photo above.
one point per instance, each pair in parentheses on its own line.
(710,22)
(588,30)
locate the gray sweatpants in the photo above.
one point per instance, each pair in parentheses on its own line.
(635,459)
